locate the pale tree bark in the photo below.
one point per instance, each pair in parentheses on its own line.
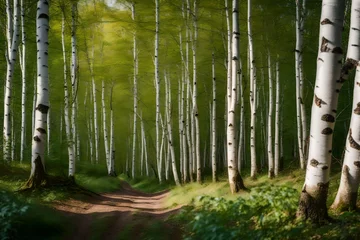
(195,107)
(73,75)
(38,175)
(12,35)
(105,134)
(269,122)
(277,117)
(160,160)
(91,69)
(168,111)
(298,49)
(22,57)
(242,119)
(157,84)
(145,148)
(328,83)
(235,180)
(301,76)
(69,140)
(180,128)
(184,125)
(111,169)
(213,123)
(346,197)
(135,60)
(252,97)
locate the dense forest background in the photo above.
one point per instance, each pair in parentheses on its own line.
(112,26)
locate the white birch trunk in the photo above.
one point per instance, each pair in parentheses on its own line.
(12,30)
(96,129)
(314,193)
(180,129)
(298,49)
(269,143)
(346,197)
(235,179)
(169,130)
(252,97)
(241,123)
(135,60)
(157,85)
(38,175)
(145,149)
(160,161)
(73,77)
(301,75)
(23,81)
(277,117)
(213,123)
(111,169)
(69,140)
(106,140)
(195,107)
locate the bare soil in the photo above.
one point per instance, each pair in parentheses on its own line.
(124,214)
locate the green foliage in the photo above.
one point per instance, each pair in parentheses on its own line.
(10,210)
(268,213)
(148,185)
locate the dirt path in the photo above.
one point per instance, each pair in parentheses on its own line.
(124,214)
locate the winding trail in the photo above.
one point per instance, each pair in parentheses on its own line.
(126,214)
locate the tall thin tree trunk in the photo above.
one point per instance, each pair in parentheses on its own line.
(106,140)
(314,193)
(195,107)
(111,169)
(213,123)
(235,180)
(252,97)
(277,116)
(270,145)
(12,34)
(157,84)
(135,60)
(38,175)
(169,130)
(23,81)
(69,140)
(298,50)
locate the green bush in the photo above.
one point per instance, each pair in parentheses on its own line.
(268,213)
(10,210)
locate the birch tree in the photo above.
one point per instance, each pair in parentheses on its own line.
(69,140)
(298,65)
(194,101)
(269,140)
(111,169)
(135,60)
(22,57)
(327,86)
(235,180)
(12,36)
(38,175)
(346,197)
(106,141)
(169,131)
(252,96)
(213,123)
(277,121)
(157,83)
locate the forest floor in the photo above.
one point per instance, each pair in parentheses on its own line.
(124,214)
